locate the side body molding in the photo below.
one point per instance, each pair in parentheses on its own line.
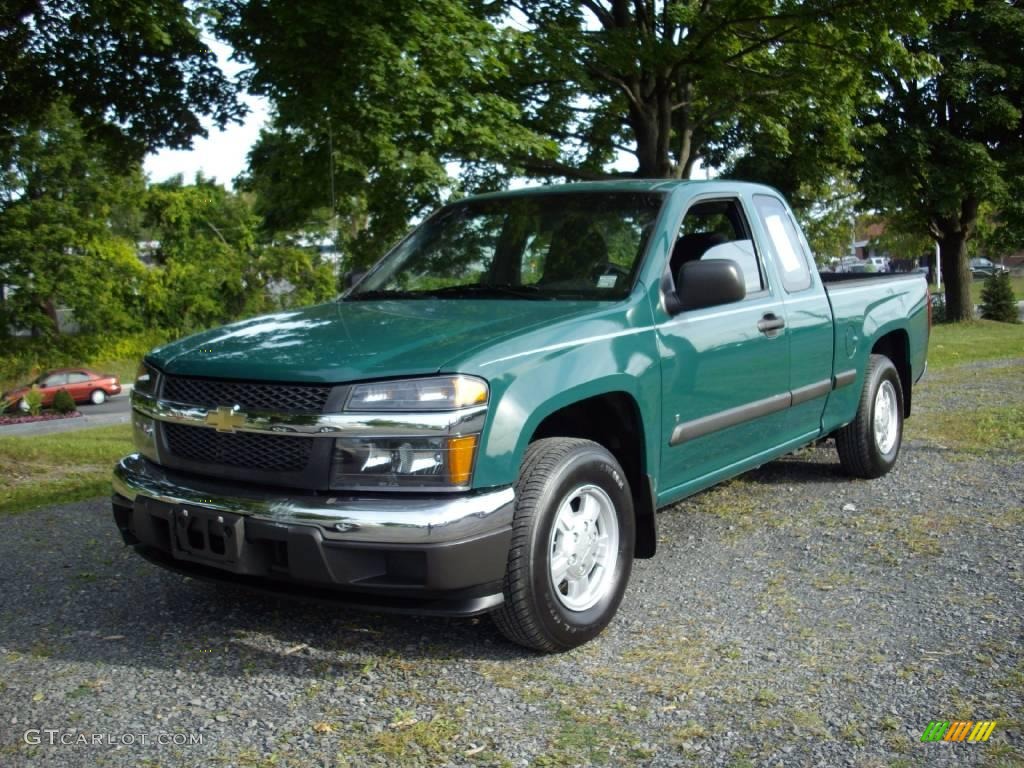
(705,425)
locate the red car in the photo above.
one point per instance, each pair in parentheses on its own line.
(83,385)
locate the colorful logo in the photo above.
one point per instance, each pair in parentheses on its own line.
(958,730)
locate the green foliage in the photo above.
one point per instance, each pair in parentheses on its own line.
(63,402)
(34,400)
(363,141)
(954,133)
(903,239)
(829,221)
(210,266)
(365,136)
(997,299)
(137,73)
(70,224)
(57,195)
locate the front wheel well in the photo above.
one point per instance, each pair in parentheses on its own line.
(612,420)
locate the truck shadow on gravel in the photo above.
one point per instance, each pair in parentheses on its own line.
(799,469)
(97,602)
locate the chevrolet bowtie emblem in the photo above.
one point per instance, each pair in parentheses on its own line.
(225,419)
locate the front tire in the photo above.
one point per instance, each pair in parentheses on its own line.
(869,445)
(98,397)
(572,545)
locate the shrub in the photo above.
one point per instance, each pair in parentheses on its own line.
(34,400)
(997,299)
(63,402)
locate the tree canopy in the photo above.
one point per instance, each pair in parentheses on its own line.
(73,227)
(372,103)
(953,131)
(137,74)
(375,110)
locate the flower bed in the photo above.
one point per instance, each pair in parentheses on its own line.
(24,418)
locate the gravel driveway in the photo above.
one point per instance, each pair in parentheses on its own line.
(792,617)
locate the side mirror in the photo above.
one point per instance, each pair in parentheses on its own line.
(709,283)
(352,277)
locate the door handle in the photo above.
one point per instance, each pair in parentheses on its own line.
(770,323)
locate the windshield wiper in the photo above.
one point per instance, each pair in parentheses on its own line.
(478,289)
(387,294)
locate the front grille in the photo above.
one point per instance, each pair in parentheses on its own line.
(282,398)
(275,453)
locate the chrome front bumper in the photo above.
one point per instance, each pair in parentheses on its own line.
(379,520)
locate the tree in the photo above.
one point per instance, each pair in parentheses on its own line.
(57,250)
(366,132)
(137,74)
(672,82)
(954,133)
(997,299)
(546,89)
(211,266)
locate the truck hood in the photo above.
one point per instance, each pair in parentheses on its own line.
(350,340)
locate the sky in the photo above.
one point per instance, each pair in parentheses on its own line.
(222,155)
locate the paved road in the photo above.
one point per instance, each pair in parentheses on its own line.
(117,410)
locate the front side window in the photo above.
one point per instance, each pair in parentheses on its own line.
(580,245)
(716,229)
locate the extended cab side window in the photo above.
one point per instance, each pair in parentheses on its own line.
(716,229)
(789,253)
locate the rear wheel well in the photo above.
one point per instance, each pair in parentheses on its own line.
(896,346)
(612,420)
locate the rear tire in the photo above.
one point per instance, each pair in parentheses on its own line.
(869,445)
(572,545)
(98,397)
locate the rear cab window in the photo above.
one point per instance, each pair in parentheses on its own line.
(784,238)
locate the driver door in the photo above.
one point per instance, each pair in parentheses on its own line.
(725,369)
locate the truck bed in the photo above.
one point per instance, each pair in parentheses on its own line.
(875,306)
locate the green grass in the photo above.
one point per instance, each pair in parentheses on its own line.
(957,343)
(974,431)
(52,469)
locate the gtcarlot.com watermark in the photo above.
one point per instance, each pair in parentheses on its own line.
(60,737)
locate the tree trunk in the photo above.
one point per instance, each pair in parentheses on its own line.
(957,275)
(650,154)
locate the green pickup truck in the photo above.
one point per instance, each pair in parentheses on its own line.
(488,420)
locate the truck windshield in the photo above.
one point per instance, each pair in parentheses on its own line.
(580,245)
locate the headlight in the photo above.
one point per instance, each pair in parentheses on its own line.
(403,462)
(437,393)
(146,379)
(440,460)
